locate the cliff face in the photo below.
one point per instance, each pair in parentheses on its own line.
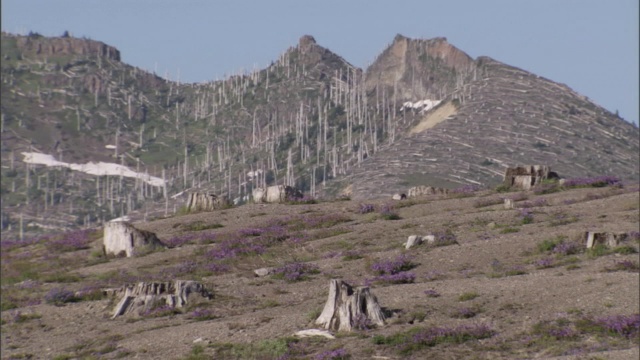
(419,69)
(43,46)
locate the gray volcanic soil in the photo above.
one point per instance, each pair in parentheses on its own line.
(251,309)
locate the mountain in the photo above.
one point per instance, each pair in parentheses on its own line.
(424,113)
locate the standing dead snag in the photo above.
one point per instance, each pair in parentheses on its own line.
(347,309)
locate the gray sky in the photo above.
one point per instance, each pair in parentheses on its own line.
(590,45)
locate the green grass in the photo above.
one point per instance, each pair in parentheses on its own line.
(199,226)
(468,296)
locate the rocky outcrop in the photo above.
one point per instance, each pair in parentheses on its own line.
(526,177)
(120,238)
(145,296)
(419,68)
(206,202)
(46,46)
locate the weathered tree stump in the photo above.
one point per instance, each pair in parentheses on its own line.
(603,238)
(206,202)
(526,177)
(143,295)
(509,204)
(426,190)
(347,309)
(122,237)
(275,194)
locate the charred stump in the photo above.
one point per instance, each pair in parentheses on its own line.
(347,308)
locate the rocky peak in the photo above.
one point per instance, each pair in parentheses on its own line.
(419,68)
(305,43)
(56,46)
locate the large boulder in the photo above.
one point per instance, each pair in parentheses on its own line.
(120,237)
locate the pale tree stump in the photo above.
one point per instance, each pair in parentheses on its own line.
(123,238)
(143,295)
(347,309)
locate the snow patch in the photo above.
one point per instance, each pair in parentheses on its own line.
(422,105)
(92,168)
(110,147)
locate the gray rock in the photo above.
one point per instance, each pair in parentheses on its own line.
(263,271)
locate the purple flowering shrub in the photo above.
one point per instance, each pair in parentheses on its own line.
(624,265)
(71,241)
(159,311)
(59,296)
(295,271)
(525,216)
(417,339)
(544,263)
(337,354)
(190,238)
(463,313)
(606,329)
(202,315)
(387,211)
(466,190)
(395,266)
(393,271)
(432,293)
(434,275)
(559,218)
(487,201)
(306,199)
(366,208)
(597,181)
(535,203)
(444,238)
(620,325)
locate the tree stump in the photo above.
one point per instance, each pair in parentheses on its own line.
(122,237)
(603,238)
(206,202)
(143,295)
(347,309)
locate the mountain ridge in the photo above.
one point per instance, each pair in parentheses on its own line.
(310,119)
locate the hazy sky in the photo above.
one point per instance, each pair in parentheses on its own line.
(590,45)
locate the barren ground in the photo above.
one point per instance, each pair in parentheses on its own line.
(496,269)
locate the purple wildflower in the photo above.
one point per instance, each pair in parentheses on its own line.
(337,354)
(627,326)
(431,293)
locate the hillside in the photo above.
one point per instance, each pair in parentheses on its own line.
(424,113)
(498,284)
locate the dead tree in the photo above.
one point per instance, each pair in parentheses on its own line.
(347,308)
